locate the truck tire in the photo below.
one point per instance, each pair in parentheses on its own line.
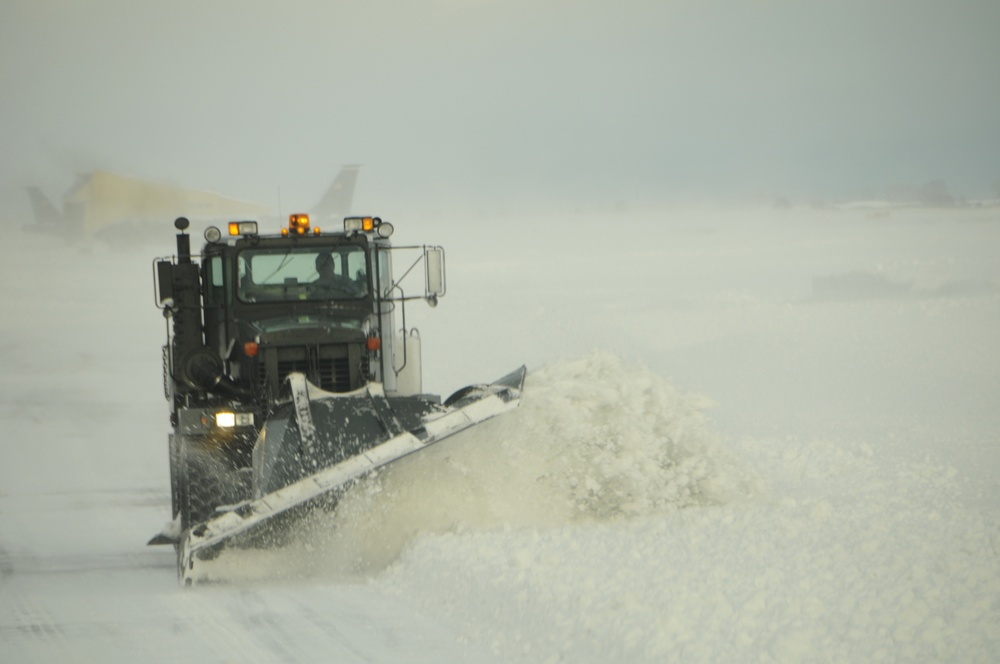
(205,482)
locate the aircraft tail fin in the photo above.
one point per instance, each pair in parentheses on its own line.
(45,211)
(336,202)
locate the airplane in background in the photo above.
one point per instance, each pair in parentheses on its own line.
(120,210)
(336,202)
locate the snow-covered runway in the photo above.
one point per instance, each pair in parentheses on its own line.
(747,435)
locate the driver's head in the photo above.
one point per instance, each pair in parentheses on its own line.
(324,265)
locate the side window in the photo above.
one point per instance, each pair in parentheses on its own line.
(215,293)
(216,268)
(385,272)
(356,268)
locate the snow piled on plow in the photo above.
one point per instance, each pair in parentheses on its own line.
(596,440)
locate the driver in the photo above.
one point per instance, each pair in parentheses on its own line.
(327,270)
(329,279)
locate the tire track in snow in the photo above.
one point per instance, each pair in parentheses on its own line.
(28,626)
(227,632)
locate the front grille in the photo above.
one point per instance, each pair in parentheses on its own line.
(328,367)
(286,367)
(334,374)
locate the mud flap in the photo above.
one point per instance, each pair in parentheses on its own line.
(397,437)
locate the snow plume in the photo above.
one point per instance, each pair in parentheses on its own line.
(594,439)
(620,441)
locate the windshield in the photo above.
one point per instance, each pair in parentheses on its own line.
(293,274)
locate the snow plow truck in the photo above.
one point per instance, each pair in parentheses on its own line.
(290,374)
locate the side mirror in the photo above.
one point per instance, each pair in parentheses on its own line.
(434,262)
(164,278)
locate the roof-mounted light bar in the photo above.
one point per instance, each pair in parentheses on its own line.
(298,224)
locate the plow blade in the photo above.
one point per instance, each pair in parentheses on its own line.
(319,442)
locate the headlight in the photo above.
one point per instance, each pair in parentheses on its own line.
(242,228)
(365,224)
(227,420)
(354,224)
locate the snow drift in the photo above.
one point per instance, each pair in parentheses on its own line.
(598,440)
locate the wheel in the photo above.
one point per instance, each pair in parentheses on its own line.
(205,481)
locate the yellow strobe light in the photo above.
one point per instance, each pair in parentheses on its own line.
(298,223)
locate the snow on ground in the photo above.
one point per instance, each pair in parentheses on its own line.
(842,560)
(747,435)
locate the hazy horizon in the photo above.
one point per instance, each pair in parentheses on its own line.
(505,105)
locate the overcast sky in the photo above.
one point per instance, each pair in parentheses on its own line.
(504,103)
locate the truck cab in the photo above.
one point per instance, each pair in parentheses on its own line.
(250,310)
